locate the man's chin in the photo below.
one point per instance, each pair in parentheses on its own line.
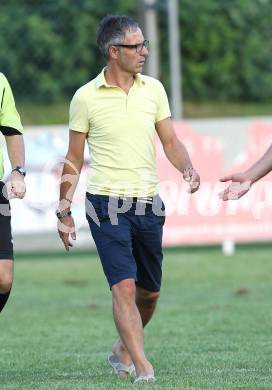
(140,68)
(137,69)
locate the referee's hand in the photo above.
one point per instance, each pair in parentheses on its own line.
(66,230)
(16,187)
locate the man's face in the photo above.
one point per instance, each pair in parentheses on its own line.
(131,59)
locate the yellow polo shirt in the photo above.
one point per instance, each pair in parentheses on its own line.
(120,131)
(9,117)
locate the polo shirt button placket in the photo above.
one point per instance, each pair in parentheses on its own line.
(130,93)
(127,101)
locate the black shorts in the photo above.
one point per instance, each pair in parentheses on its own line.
(6,245)
(130,247)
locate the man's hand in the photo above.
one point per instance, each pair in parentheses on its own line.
(192,177)
(66,228)
(239,186)
(16,186)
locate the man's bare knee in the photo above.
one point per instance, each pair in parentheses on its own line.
(147,296)
(124,290)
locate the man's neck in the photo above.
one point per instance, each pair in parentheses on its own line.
(121,79)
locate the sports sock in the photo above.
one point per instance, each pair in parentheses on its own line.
(3,299)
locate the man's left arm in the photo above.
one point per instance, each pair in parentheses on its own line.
(16,151)
(12,129)
(177,154)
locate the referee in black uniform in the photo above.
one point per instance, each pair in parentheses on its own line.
(11,128)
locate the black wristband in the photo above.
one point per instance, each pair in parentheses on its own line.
(63,213)
(20,170)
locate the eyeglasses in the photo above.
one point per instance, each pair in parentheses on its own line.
(138,46)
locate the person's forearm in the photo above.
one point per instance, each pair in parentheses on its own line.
(261,168)
(69,179)
(16,150)
(177,154)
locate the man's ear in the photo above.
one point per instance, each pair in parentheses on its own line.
(113,52)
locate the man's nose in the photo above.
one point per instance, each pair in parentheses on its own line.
(144,51)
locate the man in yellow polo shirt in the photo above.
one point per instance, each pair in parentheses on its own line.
(118,113)
(11,128)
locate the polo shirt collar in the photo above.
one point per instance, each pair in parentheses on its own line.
(100,80)
(139,80)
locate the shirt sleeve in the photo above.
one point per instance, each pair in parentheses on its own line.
(163,110)
(10,121)
(78,114)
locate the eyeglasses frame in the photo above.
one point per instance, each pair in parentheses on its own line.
(145,45)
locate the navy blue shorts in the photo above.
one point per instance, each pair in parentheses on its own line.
(128,237)
(6,245)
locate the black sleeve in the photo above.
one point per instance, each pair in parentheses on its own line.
(6,131)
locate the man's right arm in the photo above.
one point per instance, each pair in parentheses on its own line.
(242,181)
(69,179)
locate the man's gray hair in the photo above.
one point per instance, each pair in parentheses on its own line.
(112,30)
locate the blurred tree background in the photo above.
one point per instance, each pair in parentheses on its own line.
(48,48)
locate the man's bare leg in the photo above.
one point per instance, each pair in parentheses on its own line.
(146,302)
(129,324)
(6,279)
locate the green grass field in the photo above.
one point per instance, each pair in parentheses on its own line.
(212,328)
